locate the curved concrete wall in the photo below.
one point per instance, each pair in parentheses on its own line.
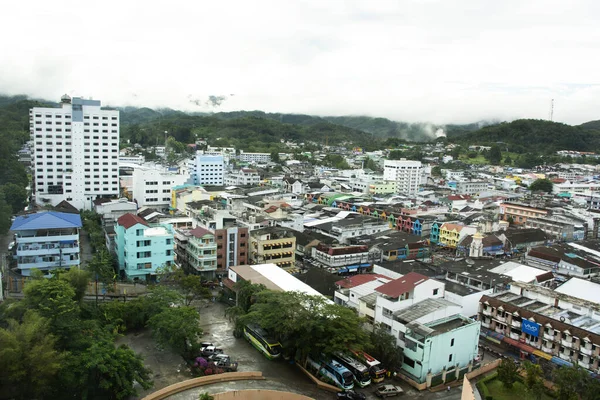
(203,380)
(259,394)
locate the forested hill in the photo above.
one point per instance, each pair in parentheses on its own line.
(260,131)
(539,136)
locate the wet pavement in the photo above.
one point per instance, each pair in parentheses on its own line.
(280,375)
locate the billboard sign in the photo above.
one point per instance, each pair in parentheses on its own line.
(530,328)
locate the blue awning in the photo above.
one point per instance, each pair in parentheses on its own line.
(560,361)
(67,242)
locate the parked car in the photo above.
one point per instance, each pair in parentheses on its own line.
(350,395)
(226,364)
(210,350)
(219,356)
(388,390)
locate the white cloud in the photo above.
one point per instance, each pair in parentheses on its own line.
(434,61)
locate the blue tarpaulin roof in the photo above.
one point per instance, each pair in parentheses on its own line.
(46,220)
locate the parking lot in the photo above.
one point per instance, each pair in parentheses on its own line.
(280,375)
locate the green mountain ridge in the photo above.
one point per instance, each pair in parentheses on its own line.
(261,131)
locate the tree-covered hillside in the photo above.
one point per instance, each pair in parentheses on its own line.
(538,136)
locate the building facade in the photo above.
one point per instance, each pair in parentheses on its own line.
(243,177)
(142,249)
(406,174)
(519,213)
(340,256)
(273,245)
(232,247)
(202,252)
(47,241)
(153,187)
(551,325)
(255,157)
(75,153)
(207,170)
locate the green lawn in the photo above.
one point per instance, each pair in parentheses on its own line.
(518,391)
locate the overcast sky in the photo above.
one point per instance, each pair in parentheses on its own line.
(431,61)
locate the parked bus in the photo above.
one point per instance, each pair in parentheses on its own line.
(332,371)
(362,377)
(260,339)
(375,369)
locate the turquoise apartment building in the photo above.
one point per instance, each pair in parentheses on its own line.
(444,346)
(141,248)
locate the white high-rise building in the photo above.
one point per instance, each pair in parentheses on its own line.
(207,170)
(406,173)
(76,152)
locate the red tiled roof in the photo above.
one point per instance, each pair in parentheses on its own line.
(546,276)
(356,280)
(453,197)
(402,285)
(128,220)
(200,231)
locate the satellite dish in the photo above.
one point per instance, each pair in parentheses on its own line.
(469,261)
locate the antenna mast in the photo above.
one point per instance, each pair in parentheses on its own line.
(551,110)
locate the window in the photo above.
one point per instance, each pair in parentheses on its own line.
(450,358)
(435,292)
(139,232)
(452,343)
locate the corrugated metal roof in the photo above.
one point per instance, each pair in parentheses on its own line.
(46,220)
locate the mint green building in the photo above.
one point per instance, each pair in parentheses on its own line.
(440,348)
(141,248)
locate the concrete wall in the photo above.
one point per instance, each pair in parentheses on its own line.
(258,394)
(204,380)
(468,392)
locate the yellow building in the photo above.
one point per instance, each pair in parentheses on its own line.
(450,235)
(273,245)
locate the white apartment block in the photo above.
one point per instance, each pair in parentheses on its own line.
(153,187)
(471,187)
(255,157)
(208,170)
(243,177)
(406,174)
(75,153)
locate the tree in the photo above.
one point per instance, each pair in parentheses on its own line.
(101,269)
(103,371)
(508,160)
(178,328)
(533,373)
(29,360)
(307,324)
(570,382)
(436,171)
(508,372)
(79,280)
(54,299)
(396,155)
(541,185)
(275,156)
(206,396)
(494,156)
(383,348)
(6,213)
(16,196)
(190,286)
(371,164)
